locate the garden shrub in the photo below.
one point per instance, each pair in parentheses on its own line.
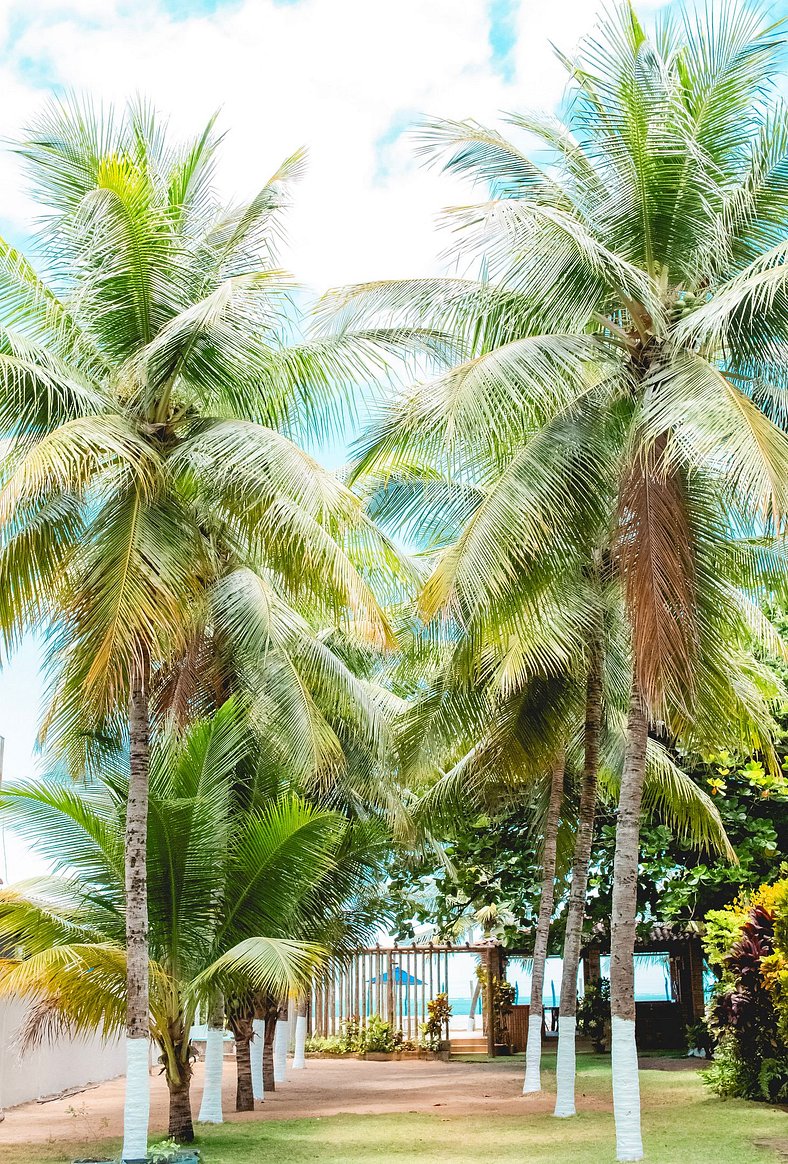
(593,1013)
(325,1045)
(748,1015)
(439,1013)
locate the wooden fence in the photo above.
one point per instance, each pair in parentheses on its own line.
(394,982)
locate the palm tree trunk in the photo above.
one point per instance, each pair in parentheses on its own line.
(299,1056)
(567,1021)
(269,1082)
(137,1105)
(211,1106)
(180,1128)
(471,1024)
(280,1044)
(244,1094)
(626,1089)
(533,1050)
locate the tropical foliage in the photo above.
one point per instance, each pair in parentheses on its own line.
(746,944)
(153,505)
(264,697)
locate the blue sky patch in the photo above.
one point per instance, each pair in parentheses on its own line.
(503,35)
(402,122)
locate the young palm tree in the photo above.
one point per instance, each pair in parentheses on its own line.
(504,765)
(323,727)
(625,376)
(292,871)
(150,397)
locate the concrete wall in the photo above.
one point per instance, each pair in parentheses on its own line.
(50,1069)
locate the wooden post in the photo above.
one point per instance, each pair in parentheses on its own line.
(694,1002)
(490,992)
(591,967)
(421,958)
(390,990)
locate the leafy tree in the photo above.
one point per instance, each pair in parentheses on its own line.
(678,882)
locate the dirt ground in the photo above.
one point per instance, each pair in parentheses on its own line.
(324,1088)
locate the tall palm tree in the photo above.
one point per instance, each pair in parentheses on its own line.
(150,397)
(222,917)
(516,686)
(625,341)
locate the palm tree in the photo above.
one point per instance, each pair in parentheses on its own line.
(573,644)
(624,378)
(505,738)
(576,906)
(150,397)
(292,870)
(533,1049)
(322,725)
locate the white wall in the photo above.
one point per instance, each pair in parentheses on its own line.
(51,1068)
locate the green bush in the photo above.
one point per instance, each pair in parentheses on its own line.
(164,1152)
(745,944)
(325,1045)
(378,1035)
(593,1013)
(439,1013)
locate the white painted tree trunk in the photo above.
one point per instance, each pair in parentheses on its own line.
(299,1058)
(256,1054)
(533,1049)
(565,1067)
(573,934)
(626,1089)
(211,1105)
(477,989)
(533,1055)
(280,1050)
(137,1105)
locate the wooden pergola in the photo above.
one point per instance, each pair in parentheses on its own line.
(397,982)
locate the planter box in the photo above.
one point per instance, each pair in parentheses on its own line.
(185,1157)
(380,1056)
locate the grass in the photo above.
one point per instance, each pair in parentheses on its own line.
(683,1124)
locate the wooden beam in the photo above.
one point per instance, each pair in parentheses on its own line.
(490,1004)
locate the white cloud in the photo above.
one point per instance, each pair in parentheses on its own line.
(336,75)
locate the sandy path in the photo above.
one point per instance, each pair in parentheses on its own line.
(325,1088)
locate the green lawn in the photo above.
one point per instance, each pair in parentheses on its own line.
(683,1124)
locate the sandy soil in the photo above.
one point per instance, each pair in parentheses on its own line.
(324,1088)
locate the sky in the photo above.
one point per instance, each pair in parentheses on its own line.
(345,78)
